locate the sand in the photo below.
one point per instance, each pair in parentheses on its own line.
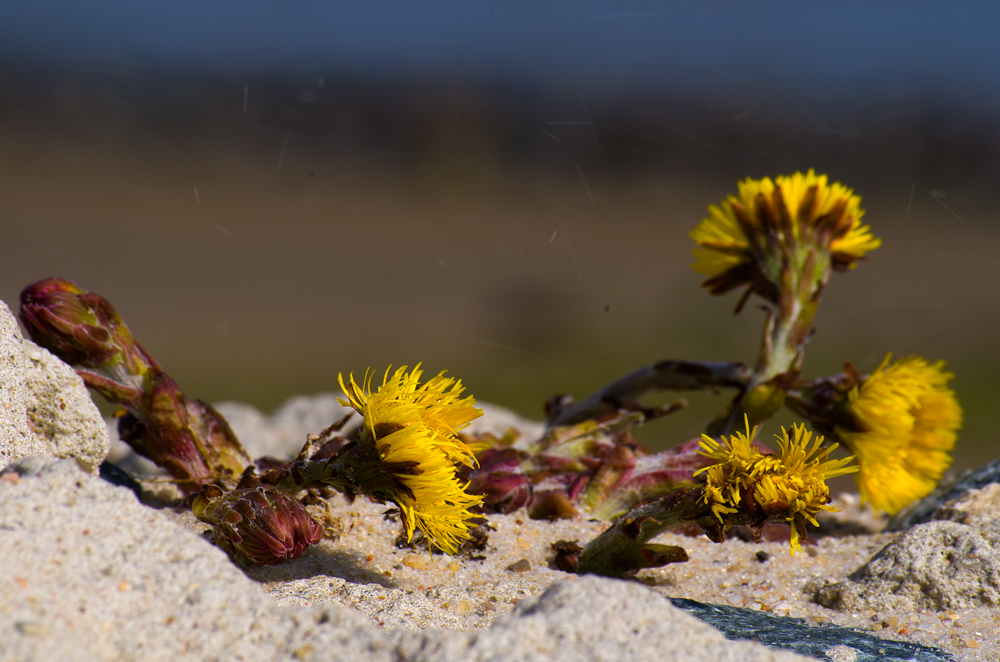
(364,569)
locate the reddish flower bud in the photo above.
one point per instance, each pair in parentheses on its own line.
(257,521)
(83,329)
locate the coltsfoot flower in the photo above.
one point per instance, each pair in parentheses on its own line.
(749,237)
(258,522)
(726,481)
(903,421)
(413,428)
(759,487)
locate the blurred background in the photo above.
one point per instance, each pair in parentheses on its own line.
(271,193)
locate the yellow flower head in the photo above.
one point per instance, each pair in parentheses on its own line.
(727,480)
(790,486)
(752,232)
(905,423)
(416,425)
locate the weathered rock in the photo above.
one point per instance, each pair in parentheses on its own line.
(979,508)
(825,642)
(61,412)
(590,619)
(45,408)
(33,466)
(940,565)
(948,556)
(16,438)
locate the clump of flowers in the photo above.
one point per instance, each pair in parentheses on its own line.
(781,239)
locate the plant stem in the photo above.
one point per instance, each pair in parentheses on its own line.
(622,547)
(659,376)
(788,326)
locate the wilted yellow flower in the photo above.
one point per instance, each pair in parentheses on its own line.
(751,233)
(906,420)
(415,425)
(790,486)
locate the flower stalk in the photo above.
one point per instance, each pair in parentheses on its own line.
(782,240)
(623,394)
(624,547)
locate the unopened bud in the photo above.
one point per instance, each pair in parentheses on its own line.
(257,521)
(83,329)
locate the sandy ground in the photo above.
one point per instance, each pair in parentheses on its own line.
(399,587)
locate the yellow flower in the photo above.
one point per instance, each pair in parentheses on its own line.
(905,423)
(751,232)
(790,486)
(416,425)
(726,480)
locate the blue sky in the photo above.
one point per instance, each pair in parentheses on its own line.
(696,43)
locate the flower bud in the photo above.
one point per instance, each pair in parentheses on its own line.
(82,328)
(185,436)
(257,521)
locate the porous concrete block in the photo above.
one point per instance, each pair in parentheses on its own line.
(45,409)
(92,574)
